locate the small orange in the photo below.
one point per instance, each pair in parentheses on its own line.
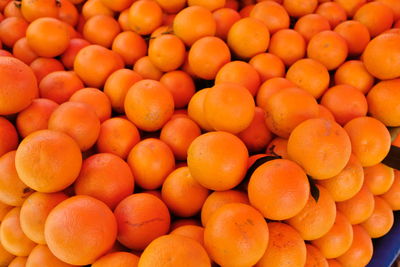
(317,217)
(41,255)
(119,258)
(392,196)
(236,235)
(298,8)
(95,98)
(378,178)
(94,7)
(167,52)
(109,30)
(40,164)
(8,136)
(314,257)
(122,45)
(288,45)
(194,232)
(196,109)
(141,218)
(144,16)
(181,85)
(269,87)
(42,66)
(172,6)
(218,160)
(268,66)
(333,12)
(34,212)
(76,222)
(12,29)
(311,24)
(32,10)
(119,5)
(381,220)
(149,105)
(356,35)
(146,69)
(74,46)
(224,19)
(354,73)
(23,52)
(68,12)
(351,6)
(279,189)
(151,161)
(272,14)
(376,16)
(248,37)
(334,263)
(370,140)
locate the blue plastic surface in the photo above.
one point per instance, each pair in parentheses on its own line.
(387,248)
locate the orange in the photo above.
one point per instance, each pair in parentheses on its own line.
(355,34)
(248,37)
(12,29)
(145,68)
(174,250)
(314,257)
(94,179)
(34,212)
(32,10)
(278,146)
(12,237)
(382,99)
(42,66)
(149,105)
(193,23)
(120,258)
(298,8)
(376,16)
(329,48)
(50,31)
(361,250)
(358,208)
(144,16)
(41,255)
(246,9)
(122,45)
(23,52)
(181,85)
(11,10)
(217,160)
(345,102)
(354,73)
(338,240)
(141,218)
(333,12)
(182,222)
(351,6)
(68,13)
(117,85)
(347,183)
(256,136)
(224,19)
(94,7)
(272,14)
(370,140)
(218,199)
(59,86)
(194,232)
(394,5)
(229,107)
(321,147)
(334,263)
(279,189)
(79,121)
(167,52)
(109,30)
(172,6)
(119,5)
(117,136)
(236,235)
(41,165)
(392,196)
(239,72)
(5,257)
(95,98)
(74,46)
(179,133)
(76,222)
(269,87)
(325,113)
(209,4)
(310,75)
(285,247)
(381,52)
(381,220)
(287,108)
(180,185)
(207,56)
(196,109)
(18,86)
(378,178)
(268,66)
(311,24)
(13,191)
(18,262)
(8,136)
(151,161)
(317,217)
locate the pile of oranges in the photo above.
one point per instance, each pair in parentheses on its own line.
(179,133)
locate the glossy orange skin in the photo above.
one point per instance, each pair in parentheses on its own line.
(122,45)
(181,85)
(109,30)
(74,46)
(42,255)
(354,73)
(94,223)
(8,136)
(356,35)
(114,258)
(268,66)
(269,191)
(381,220)
(167,52)
(333,12)
(141,218)
(272,14)
(32,10)
(144,16)
(351,6)
(12,29)
(95,98)
(42,66)
(224,19)
(23,52)
(311,24)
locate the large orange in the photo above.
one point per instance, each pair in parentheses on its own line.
(77,222)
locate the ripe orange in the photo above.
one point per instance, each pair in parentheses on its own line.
(317,217)
(12,29)
(392,196)
(376,16)
(268,66)
(151,161)
(288,45)
(68,12)
(278,146)
(172,6)
(236,235)
(194,232)
(174,250)
(196,109)
(356,35)
(149,105)
(41,255)
(381,220)
(119,5)
(354,73)
(285,247)
(141,218)
(209,4)
(8,136)
(5,257)
(119,258)
(311,24)
(18,262)
(144,16)
(34,212)
(370,140)
(23,52)
(229,107)
(378,178)
(122,45)
(351,6)
(42,66)
(167,52)
(41,165)
(181,86)
(96,99)
(94,7)
(224,19)
(325,113)
(314,257)
(32,10)
(269,87)
(298,8)
(333,12)
(279,189)
(272,14)
(217,160)
(109,30)
(76,222)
